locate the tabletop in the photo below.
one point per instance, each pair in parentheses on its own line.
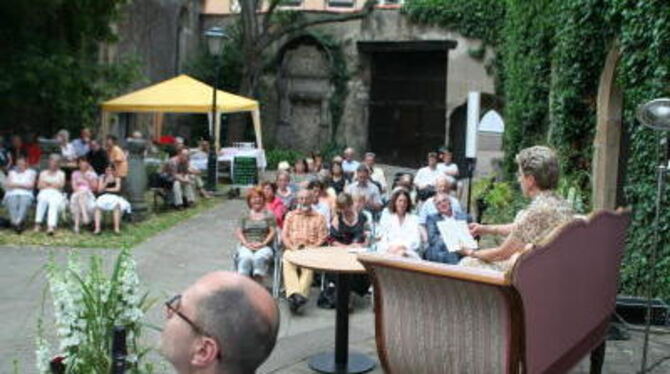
(328,259)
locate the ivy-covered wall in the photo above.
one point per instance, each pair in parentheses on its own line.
(551,54)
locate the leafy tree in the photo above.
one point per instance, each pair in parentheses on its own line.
(53,76)
(258,31)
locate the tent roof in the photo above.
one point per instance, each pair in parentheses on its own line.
(181,94)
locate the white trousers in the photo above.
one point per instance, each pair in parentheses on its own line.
(49,201)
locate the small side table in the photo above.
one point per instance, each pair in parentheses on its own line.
(343,263)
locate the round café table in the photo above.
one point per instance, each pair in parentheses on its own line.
(343,263)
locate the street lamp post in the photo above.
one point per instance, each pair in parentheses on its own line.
(214,37)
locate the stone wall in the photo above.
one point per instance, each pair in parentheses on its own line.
(162,35)
(465,74)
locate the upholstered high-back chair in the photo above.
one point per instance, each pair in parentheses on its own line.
(544,316)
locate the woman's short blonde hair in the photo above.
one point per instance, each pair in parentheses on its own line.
(540,162)
(343,201)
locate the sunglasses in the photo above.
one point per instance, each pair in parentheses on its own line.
(173,305)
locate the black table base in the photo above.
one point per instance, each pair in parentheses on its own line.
(356,363)
(342,362)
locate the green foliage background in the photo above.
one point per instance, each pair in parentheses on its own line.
(552,53)
(51,74)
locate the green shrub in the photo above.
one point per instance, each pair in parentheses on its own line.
(275,155)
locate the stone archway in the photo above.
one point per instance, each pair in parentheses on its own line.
(607,144)
(304,90)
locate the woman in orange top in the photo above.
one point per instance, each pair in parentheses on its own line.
(116,156)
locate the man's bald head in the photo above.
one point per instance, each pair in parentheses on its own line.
(242,317)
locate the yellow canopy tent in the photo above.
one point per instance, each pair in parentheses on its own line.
(183,94)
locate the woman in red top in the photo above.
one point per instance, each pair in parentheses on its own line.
(274,203)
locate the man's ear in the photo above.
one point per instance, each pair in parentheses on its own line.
(206,352)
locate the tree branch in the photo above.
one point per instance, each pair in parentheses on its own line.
(268,38)
(268,15)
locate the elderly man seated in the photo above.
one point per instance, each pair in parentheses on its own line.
(303,227)
(364,186)
(223,323)
(176,173)
(437,250)
(429,207)
(349,164)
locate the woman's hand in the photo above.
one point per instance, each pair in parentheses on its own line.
(469,252)
(477,229)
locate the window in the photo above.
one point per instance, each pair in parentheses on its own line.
(341,3)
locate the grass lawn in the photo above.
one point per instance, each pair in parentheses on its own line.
(131,233)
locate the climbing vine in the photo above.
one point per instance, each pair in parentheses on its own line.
(339,77)
(553,52)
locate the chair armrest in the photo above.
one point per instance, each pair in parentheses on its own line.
(491,277)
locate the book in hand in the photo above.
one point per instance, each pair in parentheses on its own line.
(456,235)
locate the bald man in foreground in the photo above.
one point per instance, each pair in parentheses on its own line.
(225,323)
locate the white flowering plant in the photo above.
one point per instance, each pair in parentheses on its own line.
(87,306)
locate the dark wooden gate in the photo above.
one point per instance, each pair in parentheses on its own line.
(407,100)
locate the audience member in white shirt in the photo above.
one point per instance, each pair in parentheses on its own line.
(349,165)
(399,230)
(426,177)
(447,166)
(364,186)
(321,201)
(66,148)
(376,173)
(19,193)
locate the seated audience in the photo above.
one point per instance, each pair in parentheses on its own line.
(376,173)
(255,231)
(321,201)
(348,229)
(399,230)
(301,176)
(81,145)
(359,200)
(273,203)
(364,186)
(348,226)
(337,180)
(437,250)
(426,178)
(110,199)
(318,163)
(538,176)
(406,181)
(429,207)
(303,227)
(284,190)
(50,199)
(66,149)
(97,157)
(19,193)
(175,173)
(84,184)
(224,323)
(32,150)
(349,165)
(447,166)
(195,175)
(116,156)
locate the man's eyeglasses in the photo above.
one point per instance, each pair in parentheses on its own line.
(172,306)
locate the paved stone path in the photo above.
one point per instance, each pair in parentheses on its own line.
(174,259)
